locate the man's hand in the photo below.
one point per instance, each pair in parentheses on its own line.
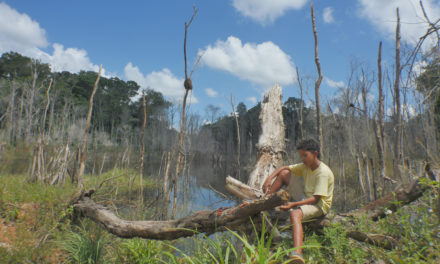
(288,206)
(266,186)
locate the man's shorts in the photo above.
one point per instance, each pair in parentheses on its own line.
(310,211)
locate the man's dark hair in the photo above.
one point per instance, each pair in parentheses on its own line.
(309,145)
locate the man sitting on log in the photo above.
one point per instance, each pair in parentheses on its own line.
(318,190)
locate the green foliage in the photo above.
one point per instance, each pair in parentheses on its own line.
(86,246)
(14,65)
(140,251)
(333,247)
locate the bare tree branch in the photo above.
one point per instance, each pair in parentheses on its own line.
(317,84)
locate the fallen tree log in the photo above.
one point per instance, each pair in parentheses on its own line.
(201,222)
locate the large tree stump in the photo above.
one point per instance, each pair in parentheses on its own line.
(271,146)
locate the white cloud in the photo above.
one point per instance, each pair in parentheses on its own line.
(262,64)
(211,92)
(252,99)
(334,84)
(382,14)
(19,33)
(328,15)
(69,59)
(163,81)
(264,11)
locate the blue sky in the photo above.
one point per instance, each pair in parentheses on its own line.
(246,45)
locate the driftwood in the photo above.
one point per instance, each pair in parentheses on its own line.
(201,222)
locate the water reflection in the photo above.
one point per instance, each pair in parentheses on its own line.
(201,188)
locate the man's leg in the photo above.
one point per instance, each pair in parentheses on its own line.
(282,179)
(296,217)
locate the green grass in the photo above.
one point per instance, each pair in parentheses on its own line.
(85,245)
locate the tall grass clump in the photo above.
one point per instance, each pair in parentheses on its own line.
(140,251)
(85,245)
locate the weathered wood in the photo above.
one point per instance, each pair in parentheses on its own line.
(201,222)
(271,146)
(397,115)
(242,190)
(82,151)
(317,84)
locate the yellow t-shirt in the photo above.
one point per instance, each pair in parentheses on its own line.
(317,182)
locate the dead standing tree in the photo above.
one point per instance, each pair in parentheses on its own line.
(397,106)
(180,159)
(238,136)
(271,145)
(141,159)
(300,118)
(317,84)
(82,151)
(380,123)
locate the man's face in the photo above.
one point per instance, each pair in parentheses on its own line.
(307,157)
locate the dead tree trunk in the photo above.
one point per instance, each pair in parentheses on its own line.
(300,119)
(238,138)
(373,174)
(12,128)
(317,84)
(361,182)
(82,153)
(380,123)
(188,87)
(271,146)
(397,113)
(367,176)
(141,160)
(166,191)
